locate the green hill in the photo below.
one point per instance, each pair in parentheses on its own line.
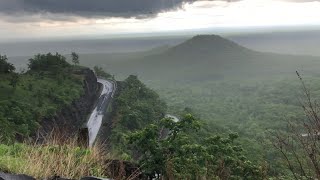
(204,57)
(230,86)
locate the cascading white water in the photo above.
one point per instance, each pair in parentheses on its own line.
(95,120)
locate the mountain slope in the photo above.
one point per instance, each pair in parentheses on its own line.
(211,57)
(203,48)
(231,87)
(204,57)
(208,44)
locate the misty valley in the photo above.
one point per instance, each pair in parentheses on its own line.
(159,90)
(235,106)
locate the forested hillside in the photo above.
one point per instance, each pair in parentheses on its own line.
(231,101)
(163,148)
(229,86)
(49,85)
(135,107)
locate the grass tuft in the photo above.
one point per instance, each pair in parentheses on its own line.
(52,158)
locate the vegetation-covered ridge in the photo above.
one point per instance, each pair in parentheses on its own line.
(50,91)
(173,150)
(247,92)
(178,155)
(134,107)
(230,87)
(49,85)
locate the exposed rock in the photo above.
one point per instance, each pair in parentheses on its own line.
(57,178)
(93,178)
(6,176)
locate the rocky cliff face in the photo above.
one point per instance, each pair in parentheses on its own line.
(68,121)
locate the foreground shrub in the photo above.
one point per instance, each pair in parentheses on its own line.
(177,156)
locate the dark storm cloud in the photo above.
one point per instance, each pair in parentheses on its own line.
(67,10)
(89,8)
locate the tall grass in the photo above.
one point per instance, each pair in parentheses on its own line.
(56,156)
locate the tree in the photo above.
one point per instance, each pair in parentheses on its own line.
(75,58)
(177,156)
(48,62)
(101,73)
(5,67)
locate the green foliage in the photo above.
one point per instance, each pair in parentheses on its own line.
(5,67)
(177,156)
(101,73)
(17,118)
(181,155)
(26,99)
(75,58)
(135,106)
(230,87)
(254,108)
(14,80)
(48,62)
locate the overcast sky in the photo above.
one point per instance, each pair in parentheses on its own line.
(66,18)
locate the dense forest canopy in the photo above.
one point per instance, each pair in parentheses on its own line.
(135,106)
(26,98)
(160,89)
(250,93)
(177,156)
(47,62)
(231,88)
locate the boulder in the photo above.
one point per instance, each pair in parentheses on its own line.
(93,178)
(57,178)
(6,176)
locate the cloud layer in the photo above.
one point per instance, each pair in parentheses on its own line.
(15,10)
(89,8)
(61,18)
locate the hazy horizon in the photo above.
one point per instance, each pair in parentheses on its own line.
(56,20)
(284,41)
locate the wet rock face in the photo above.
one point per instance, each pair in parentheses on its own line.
(70,119)
(93,178)
(57,178)
(6,176)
